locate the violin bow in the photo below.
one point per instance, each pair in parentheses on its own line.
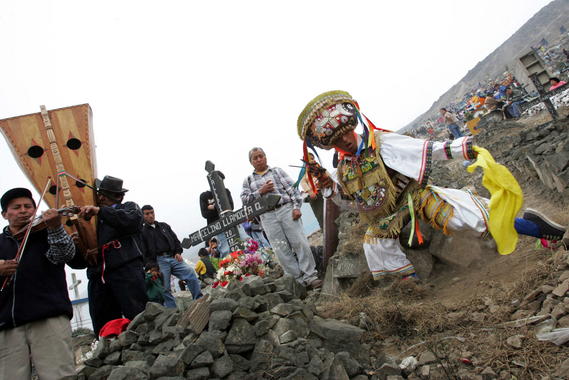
(22,246)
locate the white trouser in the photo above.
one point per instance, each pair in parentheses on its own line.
(290,244)
(46,342)
(470,214)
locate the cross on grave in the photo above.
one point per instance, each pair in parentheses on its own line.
(544,97)
(228,219)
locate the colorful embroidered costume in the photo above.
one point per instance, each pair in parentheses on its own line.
(387,180)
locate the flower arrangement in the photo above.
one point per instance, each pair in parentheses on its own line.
(240,264)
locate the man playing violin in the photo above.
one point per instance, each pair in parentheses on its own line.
(116,280)
(34,304)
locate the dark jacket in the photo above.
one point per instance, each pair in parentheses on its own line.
(207,198)
(149,240)
(122,223)
(39,289)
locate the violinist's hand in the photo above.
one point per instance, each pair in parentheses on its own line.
(8,267)
(51,218)
(88,211)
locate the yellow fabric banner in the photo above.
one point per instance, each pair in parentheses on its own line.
(506,199)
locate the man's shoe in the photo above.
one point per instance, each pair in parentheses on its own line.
(549,229)
(315,284)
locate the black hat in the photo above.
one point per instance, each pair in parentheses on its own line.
(18,192)
(110,184)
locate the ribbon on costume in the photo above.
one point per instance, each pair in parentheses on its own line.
(506,200)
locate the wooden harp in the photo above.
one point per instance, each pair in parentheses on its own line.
(59,144)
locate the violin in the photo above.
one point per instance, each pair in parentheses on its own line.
(39,225)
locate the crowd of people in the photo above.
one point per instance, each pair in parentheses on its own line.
(382,175)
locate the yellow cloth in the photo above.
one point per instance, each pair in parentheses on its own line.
(506,199)
(200,268)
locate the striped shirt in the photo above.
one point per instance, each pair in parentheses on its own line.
(283,187)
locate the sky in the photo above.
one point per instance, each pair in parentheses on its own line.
(175,83)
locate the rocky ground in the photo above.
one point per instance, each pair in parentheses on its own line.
(474,314)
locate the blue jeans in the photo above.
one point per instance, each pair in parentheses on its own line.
(170,266)
(514,110)
(455,130)
(260,238)
(222,244)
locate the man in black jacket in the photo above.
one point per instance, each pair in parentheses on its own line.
(161,245)
(209,212)
(34,307)
(116,283)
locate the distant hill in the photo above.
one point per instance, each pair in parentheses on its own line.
(544,24)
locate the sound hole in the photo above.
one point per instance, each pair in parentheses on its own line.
(73,143)
(35,151)
(80,183)
(53,189)
(68,223)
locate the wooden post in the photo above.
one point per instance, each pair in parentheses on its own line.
(331,213)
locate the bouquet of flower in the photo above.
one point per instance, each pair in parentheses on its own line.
(238,265)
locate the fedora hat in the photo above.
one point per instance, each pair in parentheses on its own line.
(110,184)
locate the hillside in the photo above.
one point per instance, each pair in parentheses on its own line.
(544,24)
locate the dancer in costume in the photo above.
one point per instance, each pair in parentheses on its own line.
(386,176)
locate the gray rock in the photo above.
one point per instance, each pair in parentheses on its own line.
(287,337)
(515,341)
(138,364)
(272,299)
(389,369)
(316,365)
(241,337)
(223,366)
(94,362)
(102,373)
(350,364)
(337,371)
(291,285)
(198,374)
(164,347)
(130,355)
(205,359)
(128,337)
(337,336)
(211,342)
(127,373)
(136,322)
(426,357)
(262,355)
(300,374)
(113,358)
(298,325)
(253,286)
(263,326)
(242,312)
(152,310)
(219,320)
(240,363)
(223,304)
(190,353)
(488,374)
(248,302)
(286,295)
(283,309)
(167,365)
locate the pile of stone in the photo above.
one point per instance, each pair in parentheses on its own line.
(546,307)
(260,328)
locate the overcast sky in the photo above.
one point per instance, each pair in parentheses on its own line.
(175,83)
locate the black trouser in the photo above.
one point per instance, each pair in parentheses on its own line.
(122,294)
